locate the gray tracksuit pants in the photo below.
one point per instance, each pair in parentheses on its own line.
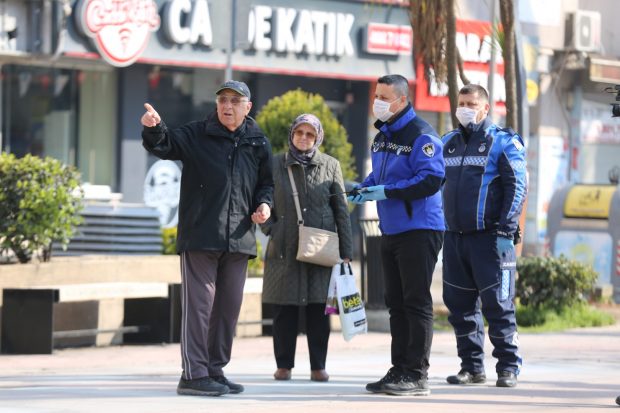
(211,295)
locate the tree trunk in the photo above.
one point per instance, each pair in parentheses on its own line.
(452,61)
(506,11)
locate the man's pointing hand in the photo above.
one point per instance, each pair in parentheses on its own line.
(151,117)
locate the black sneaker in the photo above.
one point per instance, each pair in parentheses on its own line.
(466,377)
(204,386)
(392,376)
(618,400)
(506,379)
(233,387)
(408,386)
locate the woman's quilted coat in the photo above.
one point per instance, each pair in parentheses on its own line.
(286,280)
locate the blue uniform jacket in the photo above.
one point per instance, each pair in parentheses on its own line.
(485,179)
(407,158)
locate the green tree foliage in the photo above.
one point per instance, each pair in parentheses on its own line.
(553,283)
(40,200)
(276,117)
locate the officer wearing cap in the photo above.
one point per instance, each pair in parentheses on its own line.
(226,188)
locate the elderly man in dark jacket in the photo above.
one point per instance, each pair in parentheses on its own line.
(226,187)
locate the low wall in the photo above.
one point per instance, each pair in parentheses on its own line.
(120,268)
(91,269)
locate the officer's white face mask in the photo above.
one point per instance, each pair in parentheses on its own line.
(466,115)
(381,109)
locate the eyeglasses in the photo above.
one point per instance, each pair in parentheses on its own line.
(304,135)
(234,100)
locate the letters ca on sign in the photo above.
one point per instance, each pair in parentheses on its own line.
(293,30)
(119,29)
(196,29)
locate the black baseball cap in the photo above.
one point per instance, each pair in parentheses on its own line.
(237,86)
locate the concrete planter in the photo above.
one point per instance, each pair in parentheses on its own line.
(98,269)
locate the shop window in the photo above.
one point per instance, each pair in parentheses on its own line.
(39,112)
(178,94)
(97,136)
(65,114)
(181,95)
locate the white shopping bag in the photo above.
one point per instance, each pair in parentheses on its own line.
(331,304)
(350,304)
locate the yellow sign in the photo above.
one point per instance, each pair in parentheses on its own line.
(589,201)
(532,91)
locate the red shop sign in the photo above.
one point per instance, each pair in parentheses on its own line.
(474,42)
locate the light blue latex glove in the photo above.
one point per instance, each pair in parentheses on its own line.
(356,197)
(375,193)
(504,245)
(371,193)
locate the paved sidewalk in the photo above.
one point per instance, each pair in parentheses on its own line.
(577,370)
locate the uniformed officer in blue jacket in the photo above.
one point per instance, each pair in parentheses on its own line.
(407,173)
(483,195)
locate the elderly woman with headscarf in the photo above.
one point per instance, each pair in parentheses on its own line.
(289,285)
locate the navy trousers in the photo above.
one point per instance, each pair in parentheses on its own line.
(478,282)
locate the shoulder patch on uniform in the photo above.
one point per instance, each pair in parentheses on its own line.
(517,144)
(429,149)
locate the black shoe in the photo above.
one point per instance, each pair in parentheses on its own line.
(618,400)
(506,379)
(466,377)
(392,376)
(408,386)
(233,387)
(204,386)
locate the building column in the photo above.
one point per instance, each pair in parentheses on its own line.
(133,93)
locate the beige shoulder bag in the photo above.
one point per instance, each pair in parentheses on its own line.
(316,246)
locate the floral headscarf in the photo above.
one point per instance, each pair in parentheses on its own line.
(305,156)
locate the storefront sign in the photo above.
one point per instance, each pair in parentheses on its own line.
(597,125)
(589,201)
(388,39)
(473,39)
(303,39)
(197,28)
(119,29)
(292,30)
(604,70)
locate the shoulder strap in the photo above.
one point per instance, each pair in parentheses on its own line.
(300,219)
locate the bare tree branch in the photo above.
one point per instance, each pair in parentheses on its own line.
(462,75)
(506,12)
(452,62)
